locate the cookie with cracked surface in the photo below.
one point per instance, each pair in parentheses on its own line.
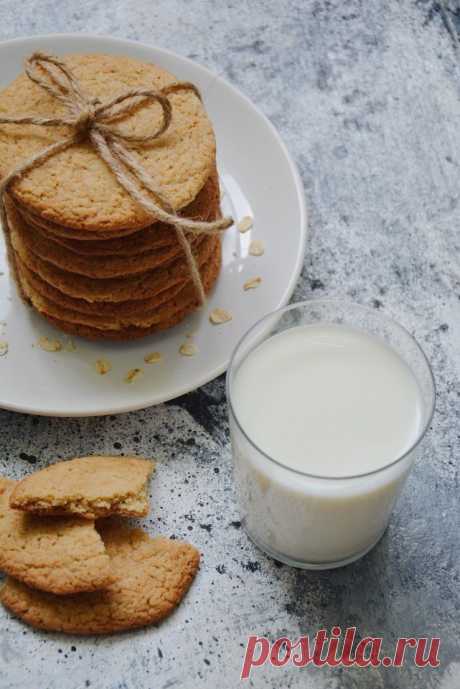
(75,188)
(58,555)
(133,332)
(99,267)
(90,487)
(163,312)
(152,577)
(204,207)
(132,306)
(143,286)
(144,250)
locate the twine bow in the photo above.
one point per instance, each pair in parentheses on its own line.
(93,121)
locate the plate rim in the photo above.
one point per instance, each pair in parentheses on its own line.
(300,194)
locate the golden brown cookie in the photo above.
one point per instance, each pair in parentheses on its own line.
(100,267)
(135,332)
(75,188)
(90,487)
(58,555)
(143,286)
(132,306)
(163,312)
(204,207)
(146,249)
(152,577)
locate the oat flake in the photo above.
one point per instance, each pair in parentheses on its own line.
(49,345)
(256,247)
(153,358)
(245,224)
(134,374)
(103,366)
(188,349)
(252,283)
(219,316)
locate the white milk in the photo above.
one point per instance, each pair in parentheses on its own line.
(330,401)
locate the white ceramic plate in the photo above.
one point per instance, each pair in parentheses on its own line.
(258,178)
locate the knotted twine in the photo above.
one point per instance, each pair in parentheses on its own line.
(92,120)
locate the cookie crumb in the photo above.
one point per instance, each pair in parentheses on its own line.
(219,316)
(49,345)
(252,283)
(3,348)
(103,366)
(245,224)
(256,247)
(134,374)
(153,358)
(188,349)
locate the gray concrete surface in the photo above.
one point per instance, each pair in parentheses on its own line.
(366,96)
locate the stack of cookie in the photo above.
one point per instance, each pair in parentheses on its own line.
(72,574)
(85,254)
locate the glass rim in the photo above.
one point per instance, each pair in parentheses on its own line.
(359,307)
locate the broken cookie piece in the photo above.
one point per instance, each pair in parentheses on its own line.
(90,487)
(62,556)
(151,578)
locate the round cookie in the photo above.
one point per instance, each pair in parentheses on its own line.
(132,306)
(151,578)
(57,555)
(142,286)
(75,188)
(135,332)
(131,333)
(155,315)
(100,267)
(121,335)
(206,206)
(88,487)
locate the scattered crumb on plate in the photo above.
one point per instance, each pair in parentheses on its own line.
(245,224)
(103,366)
(153,358)
(256,247)
(219,316)
(188,349)
(252,283)
(133,375)
(49,345)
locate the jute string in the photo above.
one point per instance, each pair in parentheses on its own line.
(93,121)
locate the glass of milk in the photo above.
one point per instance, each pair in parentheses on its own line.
(328,404)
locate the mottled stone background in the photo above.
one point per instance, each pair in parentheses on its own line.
(366,96)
